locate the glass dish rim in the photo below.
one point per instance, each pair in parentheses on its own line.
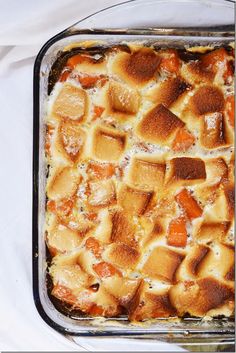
(36,113)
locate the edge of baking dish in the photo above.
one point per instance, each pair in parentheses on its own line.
(179,331)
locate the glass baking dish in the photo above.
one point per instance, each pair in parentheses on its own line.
(163,30)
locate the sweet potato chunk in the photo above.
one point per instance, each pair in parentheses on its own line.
(189,204)
(101,171)
(183,140)
(170,61)
(104,270)
(177,233)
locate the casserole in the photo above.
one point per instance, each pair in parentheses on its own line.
(85,326)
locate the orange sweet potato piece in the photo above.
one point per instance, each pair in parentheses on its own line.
(75,60)
(102,171)
(97,111)
(188,204)
(65,74)
(93,245)
(64,293)
(170,61)
(183,140)
(177,233)
(104,269)
(96,310)
(62,207)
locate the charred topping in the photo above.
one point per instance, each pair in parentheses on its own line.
(187,56)
(63,56)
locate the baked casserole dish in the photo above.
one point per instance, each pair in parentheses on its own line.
(140,187)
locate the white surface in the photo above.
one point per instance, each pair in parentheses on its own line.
(24,27)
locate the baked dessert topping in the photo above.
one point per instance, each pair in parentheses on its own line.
(140,190)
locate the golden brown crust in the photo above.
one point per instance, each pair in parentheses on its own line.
(122,289)
(147,173)
(140,192)
(137,68)
(207,99)
(147,304)
(122,99)
(71,139)
(229,192)
(123,255)
(212,231)
(71,103)
(104,137)
(168,91)
(197,298)
(195,73)
(191,265)
(187,169)
(63,183)
(102,193)
(133,201)
(159,125)
(213,134)
(220,209)
(162,264)
(230,275)
(122,230)
(153,229)
(196,259)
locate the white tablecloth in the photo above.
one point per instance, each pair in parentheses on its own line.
(24,26)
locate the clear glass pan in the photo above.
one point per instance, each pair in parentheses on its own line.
(165,23)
